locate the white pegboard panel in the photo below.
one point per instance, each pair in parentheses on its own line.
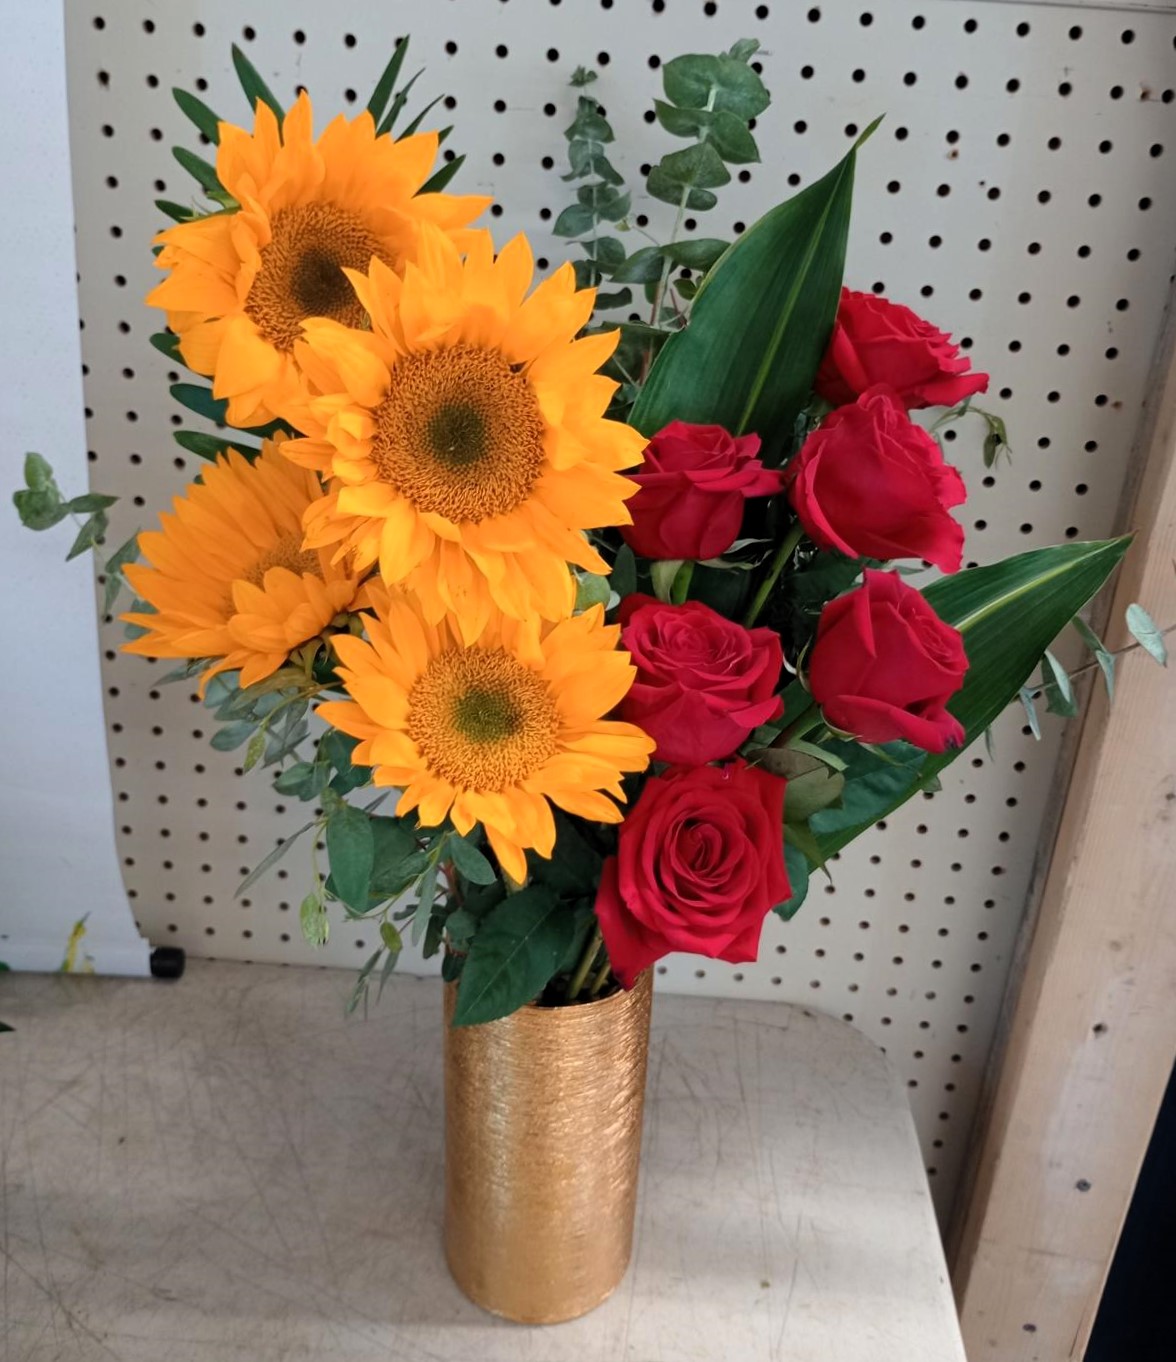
(1018,193)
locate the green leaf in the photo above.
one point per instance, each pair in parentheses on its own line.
(199,113)
(271,860)
(300,780)
(1025,695)
(200,170)
(776,288)
(811,790)
(607,251)
(335,751)
(178,212)
(420,118)
(725,131)
(1057,687)
(91,532)
(1146,634)
(391,937)
(90,501)
(38,473)
(211,447)
(624,572)
(351,849)
(700,253)
(388,122)
(312,917)
(1008,614)
(575,219)
(662,574)
(1104,658)
(397,861)
(196,397)
(725,82)
(426,892)
(469,861)
(39,509)
(231,736)
(128,553)
(874,777)
(796,863)
(661,186)
(255,88)
(644,266)
(514,955)
(167,343)
(591,590)
(387,82)
(255,751)
(440,178)
(573,869)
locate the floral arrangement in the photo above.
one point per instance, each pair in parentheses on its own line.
(602,582)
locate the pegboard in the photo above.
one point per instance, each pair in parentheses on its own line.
(1019,193)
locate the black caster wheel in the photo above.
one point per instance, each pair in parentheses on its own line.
(167,962)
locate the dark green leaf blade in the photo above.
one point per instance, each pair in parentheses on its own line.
(776,289)
(251,82)
(387,82)
(199,113)
(514,955)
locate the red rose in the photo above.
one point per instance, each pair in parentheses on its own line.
(699,863)
(877,341)
(872,484)
(884,665)
(703,681)
(693,483)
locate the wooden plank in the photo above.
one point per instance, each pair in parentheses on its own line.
(1092,1035)
(228,1170)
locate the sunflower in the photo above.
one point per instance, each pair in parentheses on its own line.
(229,579)
(489,733)
(465,433)
(242,282)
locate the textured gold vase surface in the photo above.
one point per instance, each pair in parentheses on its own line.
(542,1144)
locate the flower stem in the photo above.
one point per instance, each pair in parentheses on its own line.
(576,982)
(680,587)
(777,565)
(601,978)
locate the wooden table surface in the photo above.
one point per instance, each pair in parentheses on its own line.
(226,1169)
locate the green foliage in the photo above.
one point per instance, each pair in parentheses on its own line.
(351,849)
(1145,632)
(1008,614)
(1057,687)
(516,951)
(211,447)
(777,289)
(199,113)
(797,865)
(39,503)
(387,82)
(254,87)
(1104,658)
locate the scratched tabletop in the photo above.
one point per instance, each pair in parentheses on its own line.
(229,1169)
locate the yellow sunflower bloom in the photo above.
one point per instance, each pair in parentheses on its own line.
(228,576)
(241,283)
(464,433)
(490,733)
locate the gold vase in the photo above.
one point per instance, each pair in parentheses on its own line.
(542,1143)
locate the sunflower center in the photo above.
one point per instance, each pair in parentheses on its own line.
(482,720)
(287,552)
(301,272)
(460,433)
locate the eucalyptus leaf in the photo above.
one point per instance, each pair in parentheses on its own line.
(1057,687)
(644,266)
(113,569)
(312,918)
(575,219)
(1103,656)
(89,535)
(723,82)
(1025,695)
(272,859)
(1145,632)
(469,861)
